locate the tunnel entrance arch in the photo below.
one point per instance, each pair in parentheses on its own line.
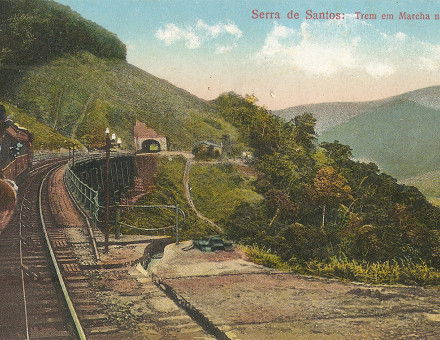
(147,140)
(150,146)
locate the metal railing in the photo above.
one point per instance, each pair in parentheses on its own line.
(86,196)
(176,208)
(89,199)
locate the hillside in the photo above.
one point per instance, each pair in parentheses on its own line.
(34,32)
(401,136)
(428,183)
(71,74)
(70,92)
(329,114)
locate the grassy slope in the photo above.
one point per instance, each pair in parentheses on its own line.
(45,138)
(218,189)
(75,90)
(401,136)
(169,190)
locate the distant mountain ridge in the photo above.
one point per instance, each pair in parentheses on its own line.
(331,114)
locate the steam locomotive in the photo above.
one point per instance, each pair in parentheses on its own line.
(15,158)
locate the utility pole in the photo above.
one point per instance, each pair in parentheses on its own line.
(108,146)
(109,143)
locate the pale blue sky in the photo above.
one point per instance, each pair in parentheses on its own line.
(208,47)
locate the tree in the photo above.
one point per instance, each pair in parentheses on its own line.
(329,189)
(338,152)
(34,32)
(279,202)
(305,134)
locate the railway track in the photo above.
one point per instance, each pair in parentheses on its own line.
(43,292)
(31,305)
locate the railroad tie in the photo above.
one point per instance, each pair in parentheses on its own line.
(30,272)
(28,242)
(71,267)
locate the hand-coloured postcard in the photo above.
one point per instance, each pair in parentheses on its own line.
(209,169)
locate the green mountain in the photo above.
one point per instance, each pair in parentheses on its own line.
(71,75)
(399,133)
(35,31)
(80,95)
(401,136)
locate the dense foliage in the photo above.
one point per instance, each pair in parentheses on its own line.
(217,189)
(35,31)
(319,203)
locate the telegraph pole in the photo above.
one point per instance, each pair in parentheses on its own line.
(109,143)
(108,146)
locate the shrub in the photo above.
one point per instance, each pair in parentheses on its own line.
(409,273)
(265,257)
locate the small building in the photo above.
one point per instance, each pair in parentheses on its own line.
(147,140)
(207,149)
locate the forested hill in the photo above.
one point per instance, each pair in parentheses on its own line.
(323,209)
(71,75)
(398,133)
(36,31)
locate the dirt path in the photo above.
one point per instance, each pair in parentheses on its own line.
(189,198)
(186,177)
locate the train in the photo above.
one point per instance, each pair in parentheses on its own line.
(16,154)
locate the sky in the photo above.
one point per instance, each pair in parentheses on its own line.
(209,47)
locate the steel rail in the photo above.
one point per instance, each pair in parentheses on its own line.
(23,284)
(159,206)
(68,300)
